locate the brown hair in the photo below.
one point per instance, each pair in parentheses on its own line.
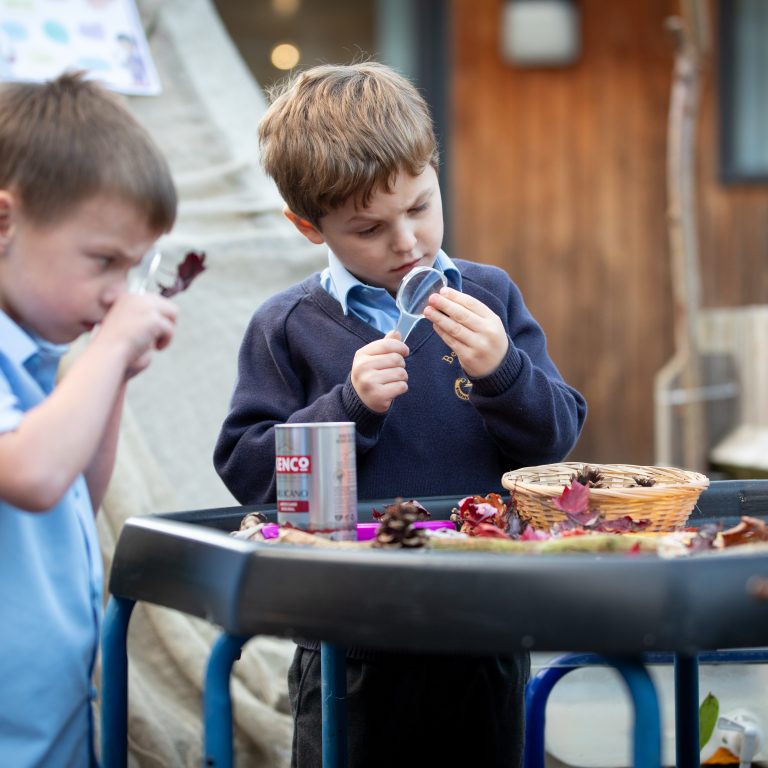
(67,140)
(336,132)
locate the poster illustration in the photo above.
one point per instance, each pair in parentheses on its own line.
(40,39)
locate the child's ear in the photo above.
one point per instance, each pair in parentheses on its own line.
(7,207)
(309,230)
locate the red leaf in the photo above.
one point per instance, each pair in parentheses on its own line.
(624,524)
(574,498)
(531,534)
(186,272)
(488,531)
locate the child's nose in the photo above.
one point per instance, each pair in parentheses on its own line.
(114,289)
(404,240)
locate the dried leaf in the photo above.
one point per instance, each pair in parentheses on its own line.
(419,510)
(490,531)
(704,538)
(186,272)
(747,531)
(476,511)
(624,524)
(574,499)
(530,533)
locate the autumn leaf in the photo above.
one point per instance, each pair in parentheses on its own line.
(704,538)
(476,512)
(624,524)
(418,509)
(747,530)
(489,531)
(186,272)
(574,499)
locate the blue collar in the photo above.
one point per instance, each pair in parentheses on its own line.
(40,357)
(374,306)
(339,281)
(16,345)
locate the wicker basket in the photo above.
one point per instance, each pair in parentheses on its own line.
(667,503)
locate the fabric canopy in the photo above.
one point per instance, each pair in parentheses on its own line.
(205,121)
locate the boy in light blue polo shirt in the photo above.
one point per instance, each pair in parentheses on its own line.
(84,193)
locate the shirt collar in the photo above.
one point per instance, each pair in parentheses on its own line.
(339,281)
(17,345)
(21,346)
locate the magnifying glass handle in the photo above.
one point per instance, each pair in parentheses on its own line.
(405,324)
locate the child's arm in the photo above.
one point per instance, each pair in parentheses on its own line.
(99,471)
(532,414)
(61,437)
(287,375)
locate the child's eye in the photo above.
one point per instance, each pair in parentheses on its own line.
(370,231)
(420,208)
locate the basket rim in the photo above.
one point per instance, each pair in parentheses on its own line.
(688,479)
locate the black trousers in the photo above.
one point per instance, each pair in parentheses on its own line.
(411,710)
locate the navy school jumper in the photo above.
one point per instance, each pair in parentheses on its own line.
(449,434)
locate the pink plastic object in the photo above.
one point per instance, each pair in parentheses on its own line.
(367,531)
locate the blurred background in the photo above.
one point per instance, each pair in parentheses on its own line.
(611,156)
(560,165)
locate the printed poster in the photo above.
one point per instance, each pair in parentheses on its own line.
(40,39)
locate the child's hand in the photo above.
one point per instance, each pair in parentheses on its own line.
(140,324)
(470,329)
(378,372)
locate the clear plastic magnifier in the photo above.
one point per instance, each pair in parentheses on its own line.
(413,296)
(146,271)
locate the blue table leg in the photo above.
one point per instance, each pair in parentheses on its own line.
(536,694)
(217,703)
(114,687)
(686,696)
(333,685)
(687,748)
(646,747)
(647,726)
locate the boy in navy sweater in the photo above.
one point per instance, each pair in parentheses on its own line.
(472,395)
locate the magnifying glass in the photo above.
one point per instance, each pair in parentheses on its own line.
(145,272)
(413,296)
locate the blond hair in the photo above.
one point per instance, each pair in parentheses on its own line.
(336,132)
(64,141)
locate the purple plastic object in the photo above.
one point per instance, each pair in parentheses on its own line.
(367,531)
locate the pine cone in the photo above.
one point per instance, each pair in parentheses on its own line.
(589,477)
(396,528)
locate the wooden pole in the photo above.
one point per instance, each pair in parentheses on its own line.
(690,35)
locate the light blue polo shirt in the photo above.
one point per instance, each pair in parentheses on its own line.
(50,591)
(374,306)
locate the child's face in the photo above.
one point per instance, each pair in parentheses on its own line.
(60,281)
(399,230)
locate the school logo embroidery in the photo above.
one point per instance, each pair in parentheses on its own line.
(461,387)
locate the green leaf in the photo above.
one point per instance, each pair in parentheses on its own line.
(708,712)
